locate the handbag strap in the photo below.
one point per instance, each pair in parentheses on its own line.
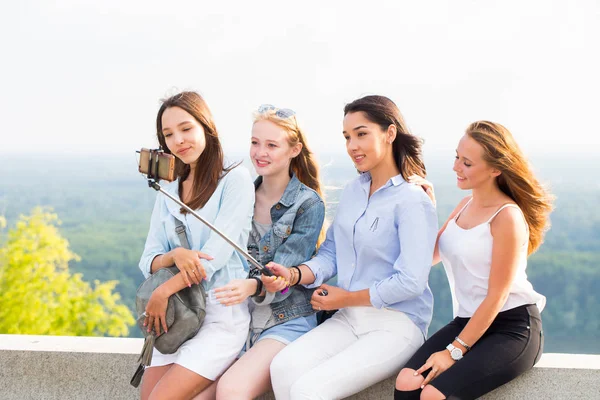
(146,355)
(180,230)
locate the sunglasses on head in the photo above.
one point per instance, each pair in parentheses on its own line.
(280,112)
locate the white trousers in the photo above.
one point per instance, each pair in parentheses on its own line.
(354,349)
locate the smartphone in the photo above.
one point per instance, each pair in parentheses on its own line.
(160,164)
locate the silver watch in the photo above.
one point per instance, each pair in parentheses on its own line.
(455,352)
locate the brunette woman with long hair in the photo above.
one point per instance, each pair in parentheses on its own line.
(496,334)
(380,246)
(224,196)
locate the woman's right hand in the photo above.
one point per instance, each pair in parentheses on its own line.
(425,184)
(190,267)
(279,281)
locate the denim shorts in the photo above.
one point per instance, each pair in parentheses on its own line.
(291,330)
(287,332)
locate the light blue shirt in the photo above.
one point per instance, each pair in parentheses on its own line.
(229,209)
(383,243)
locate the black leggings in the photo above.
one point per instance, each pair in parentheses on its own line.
(512,345)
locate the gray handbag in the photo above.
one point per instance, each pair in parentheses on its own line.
(186,310)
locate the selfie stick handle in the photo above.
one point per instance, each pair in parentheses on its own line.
(154,185)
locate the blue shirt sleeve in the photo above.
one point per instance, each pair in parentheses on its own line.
(324,264)
(233,219)
(157,242)
(417,232)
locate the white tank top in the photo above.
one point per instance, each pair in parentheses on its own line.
(467,258)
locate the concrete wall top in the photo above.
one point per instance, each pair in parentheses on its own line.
(82,344)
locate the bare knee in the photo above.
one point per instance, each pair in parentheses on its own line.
(431,393)
(407,380)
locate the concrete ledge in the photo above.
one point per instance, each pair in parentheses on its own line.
(54,367)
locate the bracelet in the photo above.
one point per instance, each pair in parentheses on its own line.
(292,276)
(259,285)
(463,344)
(299,276)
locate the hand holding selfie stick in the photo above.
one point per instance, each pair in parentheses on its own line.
(153,172)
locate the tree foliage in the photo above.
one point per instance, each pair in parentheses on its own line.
(38,294)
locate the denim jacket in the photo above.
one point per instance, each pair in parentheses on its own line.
(297,220)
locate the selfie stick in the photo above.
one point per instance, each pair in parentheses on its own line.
(154,185)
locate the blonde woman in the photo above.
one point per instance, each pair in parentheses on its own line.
(286,228)
(484,244)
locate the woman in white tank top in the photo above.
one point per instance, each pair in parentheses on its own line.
(496,334)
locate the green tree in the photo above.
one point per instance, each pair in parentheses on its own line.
(38,294)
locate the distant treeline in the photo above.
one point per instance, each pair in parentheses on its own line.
(105,215)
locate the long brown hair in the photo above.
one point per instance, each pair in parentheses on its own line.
(407,148)
(501,152)
(209,168)
(304,165)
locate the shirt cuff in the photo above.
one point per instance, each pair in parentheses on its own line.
(376,299)
(209,268)
(263,300)
(313,265)
(147,267)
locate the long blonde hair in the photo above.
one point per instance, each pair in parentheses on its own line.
(304,165)
(517,179)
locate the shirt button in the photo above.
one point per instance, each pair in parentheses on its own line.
(278,206)
(353,265)
(265,248)
(288,230)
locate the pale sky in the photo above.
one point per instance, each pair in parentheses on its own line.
(86,77)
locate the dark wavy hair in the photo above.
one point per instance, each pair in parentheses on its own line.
(209,168)
(407,148)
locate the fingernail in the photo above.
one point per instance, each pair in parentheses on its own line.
(415,374)
(422,386)
(190,285)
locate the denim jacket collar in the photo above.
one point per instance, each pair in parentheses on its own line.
(290,195)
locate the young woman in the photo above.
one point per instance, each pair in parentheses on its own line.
(484,244)
(288,216)
(222,195)
(380,246)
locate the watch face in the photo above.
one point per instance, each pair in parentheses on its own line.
(456,354)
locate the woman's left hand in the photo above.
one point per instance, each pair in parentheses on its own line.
(334,300)
(235,292)
(438,362)
(156,311)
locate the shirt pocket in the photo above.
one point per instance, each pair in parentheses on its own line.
(281,231)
